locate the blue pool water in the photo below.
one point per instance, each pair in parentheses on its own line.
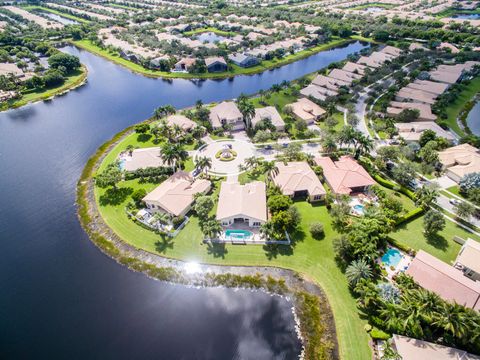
(239,234)
(121,164)
(392,257)
(359,208)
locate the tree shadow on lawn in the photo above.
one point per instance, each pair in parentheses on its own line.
(163,245)
(144,137)
(218,250)
(115,196)
(437,241)
(272,251)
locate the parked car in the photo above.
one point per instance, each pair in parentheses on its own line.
(454,202)
(196,172)
(268,147)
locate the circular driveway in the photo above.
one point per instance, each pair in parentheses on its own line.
(243,149)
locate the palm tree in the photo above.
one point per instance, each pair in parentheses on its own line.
(212,228)
(269,169)
(357,270)
(172,154)
(204,163)
(164,110)
(329,144)
(426,196)
(162,218)
(247,109)
(389,315)
(310,159)
(464,210)
(251,162)
(452,319)
(364,145)
(347,136)
(267,230)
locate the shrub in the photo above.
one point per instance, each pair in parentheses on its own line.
(177,221)
(138,195)
(378,334)
(469,181)
(317,230)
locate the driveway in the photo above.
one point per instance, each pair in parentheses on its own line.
(444,182)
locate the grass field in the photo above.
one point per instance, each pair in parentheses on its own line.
(32,96)
(57,12)
(441,246)
(373,4)
(236,70)
(465,96)
(209,29)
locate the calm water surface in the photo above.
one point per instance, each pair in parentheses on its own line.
(60,19)
(60,296)
(473,119)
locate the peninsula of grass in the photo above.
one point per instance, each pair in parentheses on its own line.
(236,70)
(209,29)
(56,12)
(76,79)
(452,11)
(455,109)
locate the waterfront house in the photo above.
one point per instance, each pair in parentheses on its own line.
(307,110)
(460,160)
(446,281)
(425,110)
(468,259)
(271,114)
(175,196)
(242,204)
(185,64)
(345,176)
(216,64)
(180,120)
(297,179)
(225,113)
(143,158)
(412,131)
(243,60)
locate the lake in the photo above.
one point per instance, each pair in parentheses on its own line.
(61,297)
(466,16)
(60,19)
(473,119)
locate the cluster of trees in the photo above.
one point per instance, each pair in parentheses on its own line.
(405,308)
(209,225)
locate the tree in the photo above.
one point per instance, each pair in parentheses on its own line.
(138,195)
(204,163)
(301,125)
(67,61)
(433,222)
(464,210)
(469,182)
(247,109)
(316,230)
(162,218)
(172,154)
(278,203)
(329,144)
(404,173)
(426,196)
(203,206)
(111,176)
(363,145)
(427,136)
(357,270)
(408,115)
(212,228)
(429,154)
(163,111)
(142,128)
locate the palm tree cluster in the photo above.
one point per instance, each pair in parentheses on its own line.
(421,314)
(356,140)
(247,109)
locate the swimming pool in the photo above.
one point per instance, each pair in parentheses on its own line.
(359,209)
(238,234)
(121,164)
(392,257)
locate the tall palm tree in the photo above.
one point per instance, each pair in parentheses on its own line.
(364,145)
(357,270)
(172,154)
(247,109)
(452,319)
(162,218)
(347,136)
(389,314)
(212,228)
(204,163)
(426,196)
(269,169)
(251,162)
(329,144)
(164,110)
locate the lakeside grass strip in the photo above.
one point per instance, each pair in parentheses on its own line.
(56,12)
(72,82)
(456,110)
(316,321)
(237,70)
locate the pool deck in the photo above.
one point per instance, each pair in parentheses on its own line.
(402,265)
(256,239)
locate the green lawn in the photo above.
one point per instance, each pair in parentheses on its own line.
(465,96)
(236,70)
(441,246)
(57,12)
(373,4)
(313,258)
(30,96)
(276,99)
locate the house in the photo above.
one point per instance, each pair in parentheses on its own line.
(10,69)
(425,110)
(459,161)
(317,92)
(246,204)
(225,113)
(413,349)
(216,64)
(243,60)
(447,46)
(307,110)
(450,74)
(157,62)
(185,123)
(414,130)
(297,179)
(468,259)
(345,76)
(416,46)
(175,195)
(427,86)
(268,113)
(328,82)
(354,68)
(345,176)
(444,280)
(143,158)
(185,64)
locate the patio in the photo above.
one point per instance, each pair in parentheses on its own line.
(391,266)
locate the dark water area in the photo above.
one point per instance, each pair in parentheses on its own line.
(473,119)
(60,19)
(60,296)
(466,16)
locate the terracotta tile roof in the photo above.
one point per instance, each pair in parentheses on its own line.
(297,176)
(249,200)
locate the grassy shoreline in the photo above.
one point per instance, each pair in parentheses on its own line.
(56,12)
(71,83)
(264,66)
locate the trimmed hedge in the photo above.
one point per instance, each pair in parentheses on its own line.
(391,185)
(409,216)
